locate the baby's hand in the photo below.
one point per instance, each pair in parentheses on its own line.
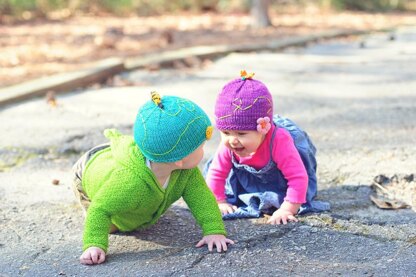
(92,255)
(281,216)
(220,242)
(285,213)
(226,208)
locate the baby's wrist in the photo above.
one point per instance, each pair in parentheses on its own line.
(293,208)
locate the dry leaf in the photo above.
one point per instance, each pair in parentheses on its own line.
(51,99)
(385,203)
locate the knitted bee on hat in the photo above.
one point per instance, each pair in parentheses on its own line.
(169,128)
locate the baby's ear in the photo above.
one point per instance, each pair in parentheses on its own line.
(179,163)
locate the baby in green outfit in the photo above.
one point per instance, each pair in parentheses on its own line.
(130,182)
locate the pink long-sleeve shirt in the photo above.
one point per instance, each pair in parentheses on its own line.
(284,154)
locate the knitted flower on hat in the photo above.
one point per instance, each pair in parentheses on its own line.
(241,103)
(169,128)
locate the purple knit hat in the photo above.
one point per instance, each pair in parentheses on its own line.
(241,102)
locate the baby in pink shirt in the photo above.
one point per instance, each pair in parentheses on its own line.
(258,154)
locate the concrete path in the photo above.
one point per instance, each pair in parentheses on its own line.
(356,100)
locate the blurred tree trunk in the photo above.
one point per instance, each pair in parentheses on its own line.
(260,13)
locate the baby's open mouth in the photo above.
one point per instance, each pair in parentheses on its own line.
(238,149)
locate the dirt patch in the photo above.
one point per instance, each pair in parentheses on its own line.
(37,49)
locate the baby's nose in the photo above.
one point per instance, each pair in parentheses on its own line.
(233,140)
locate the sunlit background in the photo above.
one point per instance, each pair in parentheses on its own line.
(43,37)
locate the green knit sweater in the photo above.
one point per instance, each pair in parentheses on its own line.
(125,192)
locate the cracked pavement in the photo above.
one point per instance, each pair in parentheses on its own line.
(356,99)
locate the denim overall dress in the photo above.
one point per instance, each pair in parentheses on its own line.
(245,180)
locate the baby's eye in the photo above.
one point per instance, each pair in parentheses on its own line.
(225,133)
(242,134)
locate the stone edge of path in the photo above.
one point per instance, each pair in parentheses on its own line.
(103,69)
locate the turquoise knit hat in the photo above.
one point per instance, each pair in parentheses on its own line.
(169,128)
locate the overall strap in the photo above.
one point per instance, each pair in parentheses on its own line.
(272,140)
